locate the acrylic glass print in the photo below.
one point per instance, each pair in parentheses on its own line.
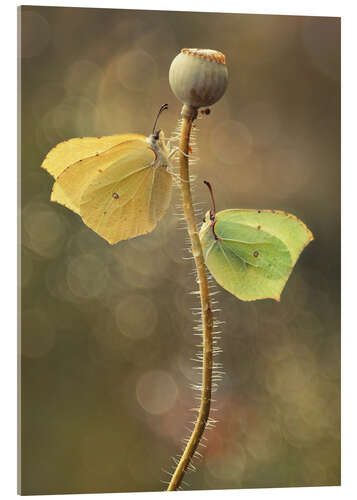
(180,251)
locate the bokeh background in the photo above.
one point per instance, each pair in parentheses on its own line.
(107,335)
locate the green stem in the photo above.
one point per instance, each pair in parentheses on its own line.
(189,115)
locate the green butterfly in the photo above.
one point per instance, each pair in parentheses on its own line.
(251,253)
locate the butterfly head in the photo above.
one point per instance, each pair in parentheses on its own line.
(209,218)
(157,139)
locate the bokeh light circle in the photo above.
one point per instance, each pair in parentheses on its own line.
(87,276)
(136,316)
(156,392)
(35,34)
(43,229)
(135,68)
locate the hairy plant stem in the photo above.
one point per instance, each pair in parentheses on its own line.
(206,311)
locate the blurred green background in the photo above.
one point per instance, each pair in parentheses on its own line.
(107,335)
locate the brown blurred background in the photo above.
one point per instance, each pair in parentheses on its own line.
(107,335)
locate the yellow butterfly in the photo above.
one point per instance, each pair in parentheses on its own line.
(120,185)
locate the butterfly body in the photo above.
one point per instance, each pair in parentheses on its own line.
(120,185)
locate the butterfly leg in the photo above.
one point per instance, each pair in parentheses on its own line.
(176,150)
(174,175)
(169,141)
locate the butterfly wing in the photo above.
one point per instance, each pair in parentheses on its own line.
(73,181)
(160,194)
(255,252)
(129,197)
(68,152)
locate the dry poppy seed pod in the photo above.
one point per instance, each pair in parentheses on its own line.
(198,77)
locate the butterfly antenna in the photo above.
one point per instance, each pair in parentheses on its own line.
(163,107)
(212,197)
